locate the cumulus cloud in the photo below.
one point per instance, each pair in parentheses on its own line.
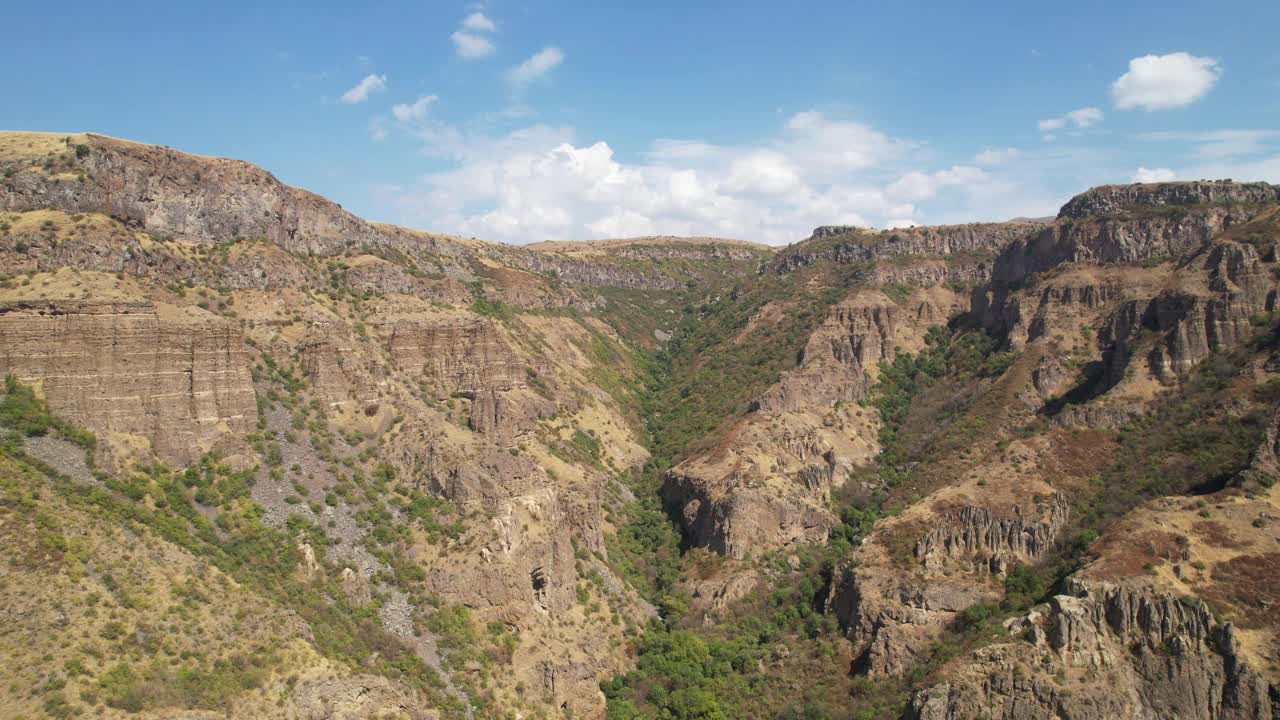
(369,84)
(1164,82)
(541,183)
(478,22)
(917,185)
(470,41)
(1082,118)
(1153,175)
(536,66)
(993,156)
(471,45)
(413,112)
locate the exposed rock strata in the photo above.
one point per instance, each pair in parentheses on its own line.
(177,378)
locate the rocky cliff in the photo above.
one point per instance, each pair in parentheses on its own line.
(173,377)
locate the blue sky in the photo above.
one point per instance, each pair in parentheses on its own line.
(533,120)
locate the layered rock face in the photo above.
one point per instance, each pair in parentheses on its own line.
(748,518)
(756,491)
(842,356)
(1160,656)
(179,379)
(1129,224)
(462,354)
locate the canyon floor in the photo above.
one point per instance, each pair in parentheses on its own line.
(262,458)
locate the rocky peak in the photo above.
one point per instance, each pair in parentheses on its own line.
(826,231)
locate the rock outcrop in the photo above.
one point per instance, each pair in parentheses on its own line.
(894,608)
(178,378)
(463,354)
(1160,656)
(977,535)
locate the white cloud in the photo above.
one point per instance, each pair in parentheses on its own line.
(478,22)
(472,46)
(536,66)
(469,39)
(837,145)
(917,185)
(1153,175)
(1084,117)
(767,172)
(1163,82)
(992,156)
(1048,137)
(413,112)
(362,89)
(1081,118)
(541,183)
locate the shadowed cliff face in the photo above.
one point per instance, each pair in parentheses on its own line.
(437,430)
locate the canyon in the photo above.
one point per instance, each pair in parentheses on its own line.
(263,458)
